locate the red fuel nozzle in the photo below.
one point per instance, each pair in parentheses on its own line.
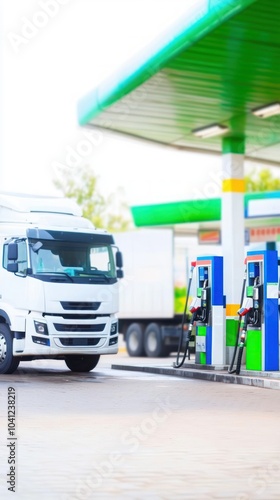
(195,304)
(246,306)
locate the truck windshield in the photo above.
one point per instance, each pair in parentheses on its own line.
(72,259)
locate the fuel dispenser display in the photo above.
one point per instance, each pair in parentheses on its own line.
(259,313)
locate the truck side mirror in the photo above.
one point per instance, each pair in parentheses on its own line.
(119,264)
(13,251)
(119,259)
(12,267)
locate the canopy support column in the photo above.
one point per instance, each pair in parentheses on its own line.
(233,230)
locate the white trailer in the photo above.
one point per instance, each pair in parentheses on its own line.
(147,316)
(59,284)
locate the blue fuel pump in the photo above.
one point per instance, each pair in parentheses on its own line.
(258,313)
(210,319)
(207,313)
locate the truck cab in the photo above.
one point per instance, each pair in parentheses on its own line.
(59,284)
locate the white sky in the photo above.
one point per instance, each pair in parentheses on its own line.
(44,76)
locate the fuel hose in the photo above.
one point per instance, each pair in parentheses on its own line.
(179,363)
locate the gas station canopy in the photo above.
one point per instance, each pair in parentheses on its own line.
(211,83)
(218,66)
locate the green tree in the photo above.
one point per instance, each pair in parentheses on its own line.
(81,184)
(262,180)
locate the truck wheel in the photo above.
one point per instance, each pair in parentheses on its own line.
(8,363)
(78,363)
(135,340)
(153,343)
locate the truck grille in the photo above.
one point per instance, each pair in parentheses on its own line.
(79,328)
(79,342)
(82,306)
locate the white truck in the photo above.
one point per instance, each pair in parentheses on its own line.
(59,284)
(153,293)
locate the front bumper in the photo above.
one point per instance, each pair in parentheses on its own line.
(62,336)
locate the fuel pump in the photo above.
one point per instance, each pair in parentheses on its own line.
(202,312)
(208,310)
(207,314)
(258,313)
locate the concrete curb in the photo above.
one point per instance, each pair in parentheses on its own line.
(266,381)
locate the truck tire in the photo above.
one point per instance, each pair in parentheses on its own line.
(135,340)
(153,343)
(8,363)
(77,363)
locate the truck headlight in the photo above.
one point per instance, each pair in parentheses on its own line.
(114,328)
(41,328)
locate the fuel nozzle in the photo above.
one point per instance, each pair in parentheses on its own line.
(195,304)
(246,306)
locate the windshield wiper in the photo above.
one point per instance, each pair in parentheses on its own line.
(100,275)
(59,273)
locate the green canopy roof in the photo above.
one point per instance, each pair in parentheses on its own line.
(216,65)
